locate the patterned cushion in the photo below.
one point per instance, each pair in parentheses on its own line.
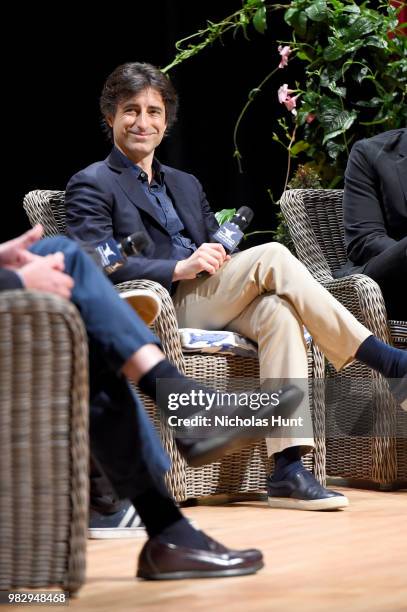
(226,342)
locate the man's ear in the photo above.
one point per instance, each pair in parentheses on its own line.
(109,120)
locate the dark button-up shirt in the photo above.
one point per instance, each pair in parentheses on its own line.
(158,196)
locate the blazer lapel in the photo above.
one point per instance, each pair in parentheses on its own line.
(131,186)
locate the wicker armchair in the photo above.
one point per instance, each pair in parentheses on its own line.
(43,442)
(315,223)
(242,472)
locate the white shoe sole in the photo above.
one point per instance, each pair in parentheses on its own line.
(330,503)
(115,533)
(145,302)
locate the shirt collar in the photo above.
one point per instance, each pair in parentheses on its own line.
(158,172)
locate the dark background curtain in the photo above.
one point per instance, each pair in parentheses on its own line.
(56,66)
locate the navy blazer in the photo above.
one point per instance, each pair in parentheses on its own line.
(375,198)
(106,200)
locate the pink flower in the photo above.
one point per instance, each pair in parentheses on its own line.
(284,97)
(310,118)
(291,103)
(283,93)
(285,53)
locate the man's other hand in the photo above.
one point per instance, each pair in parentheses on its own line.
(47,274)
(207,258)
(14,253)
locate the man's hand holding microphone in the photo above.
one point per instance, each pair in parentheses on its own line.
(210,256)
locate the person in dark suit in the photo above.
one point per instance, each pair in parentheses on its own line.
(375,215)
(124,444)
(264,292)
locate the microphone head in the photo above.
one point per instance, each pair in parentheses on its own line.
(243,217)
(138,243)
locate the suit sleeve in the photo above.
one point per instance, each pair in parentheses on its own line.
(365,230)
(9,280)
(89,217)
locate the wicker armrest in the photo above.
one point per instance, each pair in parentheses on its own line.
(165,326)
(43,441)
(363,298)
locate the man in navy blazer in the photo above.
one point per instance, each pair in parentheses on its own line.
(264,293)
(105,200)
(375,215)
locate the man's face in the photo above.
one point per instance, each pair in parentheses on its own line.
(139,124)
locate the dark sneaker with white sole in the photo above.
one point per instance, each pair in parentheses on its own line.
(125,523)
(301,491)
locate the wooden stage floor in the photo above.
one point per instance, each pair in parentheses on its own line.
(348,561)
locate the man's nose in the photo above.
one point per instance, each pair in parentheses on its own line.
(142,120)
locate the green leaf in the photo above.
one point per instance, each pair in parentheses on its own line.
(329,109)
(298,20)
(334,148)
(289,15)
(252,3)
(361,27)
(376,41)
(372,103)
(259,20)
(340,125)
(317,11)
(339,91)
(335,50)
(354,8)
(302,55)
(224,215)
(299,146)
(361,74)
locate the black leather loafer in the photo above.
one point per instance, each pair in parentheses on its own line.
(163,561)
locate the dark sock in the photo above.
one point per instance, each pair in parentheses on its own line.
(175,382)
(389,361)
(163,518)
(156,511)
(182,533)
(163,369)
(286,461)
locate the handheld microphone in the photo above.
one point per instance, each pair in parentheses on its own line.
(230,233)
(112,255)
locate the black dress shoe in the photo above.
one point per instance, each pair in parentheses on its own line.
(162,561)
(200,451)
(301,491)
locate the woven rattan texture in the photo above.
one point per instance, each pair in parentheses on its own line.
(315,221)
(43,442)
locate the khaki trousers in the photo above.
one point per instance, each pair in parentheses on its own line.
(267,295)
